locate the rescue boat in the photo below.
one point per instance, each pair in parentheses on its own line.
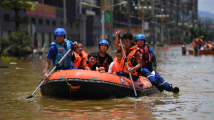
(202,52)
(93,84)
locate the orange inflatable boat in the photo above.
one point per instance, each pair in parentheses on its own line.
(93,84)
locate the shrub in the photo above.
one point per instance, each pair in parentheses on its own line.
(4,43)
(19,41)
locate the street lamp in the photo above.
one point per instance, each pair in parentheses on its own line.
(162,17)
(103,9)
(141,9)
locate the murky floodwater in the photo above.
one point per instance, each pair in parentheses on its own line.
(195,100)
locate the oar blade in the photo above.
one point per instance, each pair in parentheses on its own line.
(29,96)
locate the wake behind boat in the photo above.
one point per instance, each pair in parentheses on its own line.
(93,84)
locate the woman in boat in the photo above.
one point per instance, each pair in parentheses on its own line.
(57,50)
(80,57)
(115,65)
(133,57)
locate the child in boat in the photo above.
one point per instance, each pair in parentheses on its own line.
(115,65)
(57,50)
(104,59)
(92,60)
(80,57)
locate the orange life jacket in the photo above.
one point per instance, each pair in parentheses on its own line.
(209,46)
(198,41)
(130,58)
(79,61)
(116,66)
(192,45)
(146,54)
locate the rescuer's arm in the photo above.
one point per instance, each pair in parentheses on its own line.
(116,43)
(47,64)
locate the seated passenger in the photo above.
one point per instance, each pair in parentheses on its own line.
(104,59)
(91,65)
(80,57)
(149,66)
(115,65)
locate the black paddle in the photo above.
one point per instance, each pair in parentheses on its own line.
(51,72)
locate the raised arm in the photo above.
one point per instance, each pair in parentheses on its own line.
(116,43)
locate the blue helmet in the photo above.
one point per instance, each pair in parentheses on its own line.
(140,36)
(59,31)
(104,42)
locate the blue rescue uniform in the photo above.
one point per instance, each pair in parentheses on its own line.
(56,52)
(146,71)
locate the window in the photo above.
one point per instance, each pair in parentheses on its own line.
(77,25)
(48,22)
(71,25)
(6,17)
(54,23)
(40,22)
(61,24)
(33,20)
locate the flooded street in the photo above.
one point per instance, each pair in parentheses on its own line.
(194,75)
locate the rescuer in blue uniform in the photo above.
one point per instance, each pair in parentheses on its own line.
(149,66)
(57,50)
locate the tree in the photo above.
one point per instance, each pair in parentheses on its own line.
(16,6)
(19,43)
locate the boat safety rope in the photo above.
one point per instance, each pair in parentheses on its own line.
(70,86)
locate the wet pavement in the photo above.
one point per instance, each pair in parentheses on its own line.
(194,75)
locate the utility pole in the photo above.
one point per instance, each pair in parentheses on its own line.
(0,40)
(103,19)
(155,25)
(128,15)
(111,27)
(80,12)
(64,15)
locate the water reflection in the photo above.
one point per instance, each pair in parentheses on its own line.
(192,74)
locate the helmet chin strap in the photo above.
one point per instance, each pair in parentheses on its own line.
(60,43)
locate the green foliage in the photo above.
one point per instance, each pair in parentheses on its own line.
(17,5)
(20,42)
(187,39)
(4,43)
(7,58)
(210,36)
(178,36)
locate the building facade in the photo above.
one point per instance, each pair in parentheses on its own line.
(81,22)
(83,19)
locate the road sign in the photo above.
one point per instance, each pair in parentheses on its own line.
(164,30)
(31,29)
(108,17)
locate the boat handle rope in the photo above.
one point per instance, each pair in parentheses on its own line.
(70,86)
